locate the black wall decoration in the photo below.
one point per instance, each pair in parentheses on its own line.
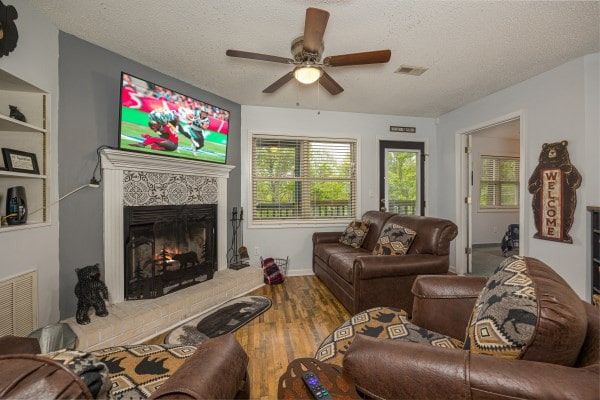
(8,29)
(553,184)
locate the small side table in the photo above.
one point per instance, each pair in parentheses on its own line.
(337,384)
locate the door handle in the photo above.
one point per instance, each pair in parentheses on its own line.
(382,208)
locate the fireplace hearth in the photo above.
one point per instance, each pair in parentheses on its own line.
(168,248)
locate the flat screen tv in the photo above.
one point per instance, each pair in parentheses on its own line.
(158,120)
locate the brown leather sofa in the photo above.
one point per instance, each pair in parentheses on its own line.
(216,370)
(360,280)
(397,369)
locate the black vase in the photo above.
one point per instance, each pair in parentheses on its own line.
(16,205)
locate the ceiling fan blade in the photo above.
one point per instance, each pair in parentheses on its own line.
(369,57)
(314,29)
(279,82)
(329,84)
(258,56)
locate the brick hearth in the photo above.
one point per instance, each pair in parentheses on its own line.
(135,321)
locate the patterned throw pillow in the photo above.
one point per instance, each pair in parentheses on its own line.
(395,240)
(355,233)
(505,314)
(527,311)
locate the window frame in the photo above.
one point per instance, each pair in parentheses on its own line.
(498,182)
(300,222)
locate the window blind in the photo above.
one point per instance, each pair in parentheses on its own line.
(303,178)
(499,182)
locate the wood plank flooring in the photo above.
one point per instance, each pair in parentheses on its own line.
(303,313)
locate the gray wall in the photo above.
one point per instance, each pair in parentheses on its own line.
(89,82)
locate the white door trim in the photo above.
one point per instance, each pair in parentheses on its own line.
(462,185)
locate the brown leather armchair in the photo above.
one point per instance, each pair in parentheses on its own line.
(561,361)
(216,370)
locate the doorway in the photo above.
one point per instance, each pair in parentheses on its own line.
(492,188)
(402,177)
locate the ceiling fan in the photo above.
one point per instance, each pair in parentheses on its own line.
(307,51)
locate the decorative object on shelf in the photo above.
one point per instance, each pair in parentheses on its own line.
(16,205)
(20,161)
(239,255)
(553,184)
(16,114)
(9,35)
(90,292)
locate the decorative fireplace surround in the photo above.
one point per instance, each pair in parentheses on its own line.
(135,179)
(131,179)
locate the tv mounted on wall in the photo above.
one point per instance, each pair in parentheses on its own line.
(158,120)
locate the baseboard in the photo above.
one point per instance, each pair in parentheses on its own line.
(300,272)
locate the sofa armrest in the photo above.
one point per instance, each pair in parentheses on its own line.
(217,370)
(372,267)
(403,370)
(326,237)
(444,303)
(19,345)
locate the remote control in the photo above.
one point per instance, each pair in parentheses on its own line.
(314,386)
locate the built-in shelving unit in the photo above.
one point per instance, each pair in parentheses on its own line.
(595,256)
(31,136)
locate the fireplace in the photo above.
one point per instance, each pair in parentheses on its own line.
(135,180)
(168,248)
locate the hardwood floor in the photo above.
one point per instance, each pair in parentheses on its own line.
(303,313)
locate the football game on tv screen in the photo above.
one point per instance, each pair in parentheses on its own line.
(158,120)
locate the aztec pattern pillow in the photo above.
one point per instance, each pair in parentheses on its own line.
(92,372)
(395,240)
(383,323)
(504,319)
(136,371)
(355,233)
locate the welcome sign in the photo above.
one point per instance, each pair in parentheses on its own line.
(553,184)
(551,207)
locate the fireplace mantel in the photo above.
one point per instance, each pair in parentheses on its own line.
(114,164)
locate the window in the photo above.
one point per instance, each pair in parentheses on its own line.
(499,182)
(302,179)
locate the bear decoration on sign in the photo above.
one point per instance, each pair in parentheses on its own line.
(553,184)
(8,29)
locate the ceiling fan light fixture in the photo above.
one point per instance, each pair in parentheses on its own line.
(307,74)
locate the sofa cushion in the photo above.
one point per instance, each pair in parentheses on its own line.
(527,311)
(136,371)
(395,240)
(326,250)
(343,263)
(355,233)
(384,323)
(377,220)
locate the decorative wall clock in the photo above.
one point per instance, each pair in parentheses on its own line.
(8,29)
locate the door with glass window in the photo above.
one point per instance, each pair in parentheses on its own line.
(401,176)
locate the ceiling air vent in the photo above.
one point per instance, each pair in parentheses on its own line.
(410,70)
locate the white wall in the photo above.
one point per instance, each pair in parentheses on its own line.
(296,242)
(559,104)
(36,60)
(490,225)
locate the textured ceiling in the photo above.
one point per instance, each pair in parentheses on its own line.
(471,48)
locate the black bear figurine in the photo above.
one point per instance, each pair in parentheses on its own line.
(90,292)
(16,114)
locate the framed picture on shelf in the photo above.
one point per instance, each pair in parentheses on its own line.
(20,161)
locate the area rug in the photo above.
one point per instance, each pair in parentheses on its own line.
(228,318)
